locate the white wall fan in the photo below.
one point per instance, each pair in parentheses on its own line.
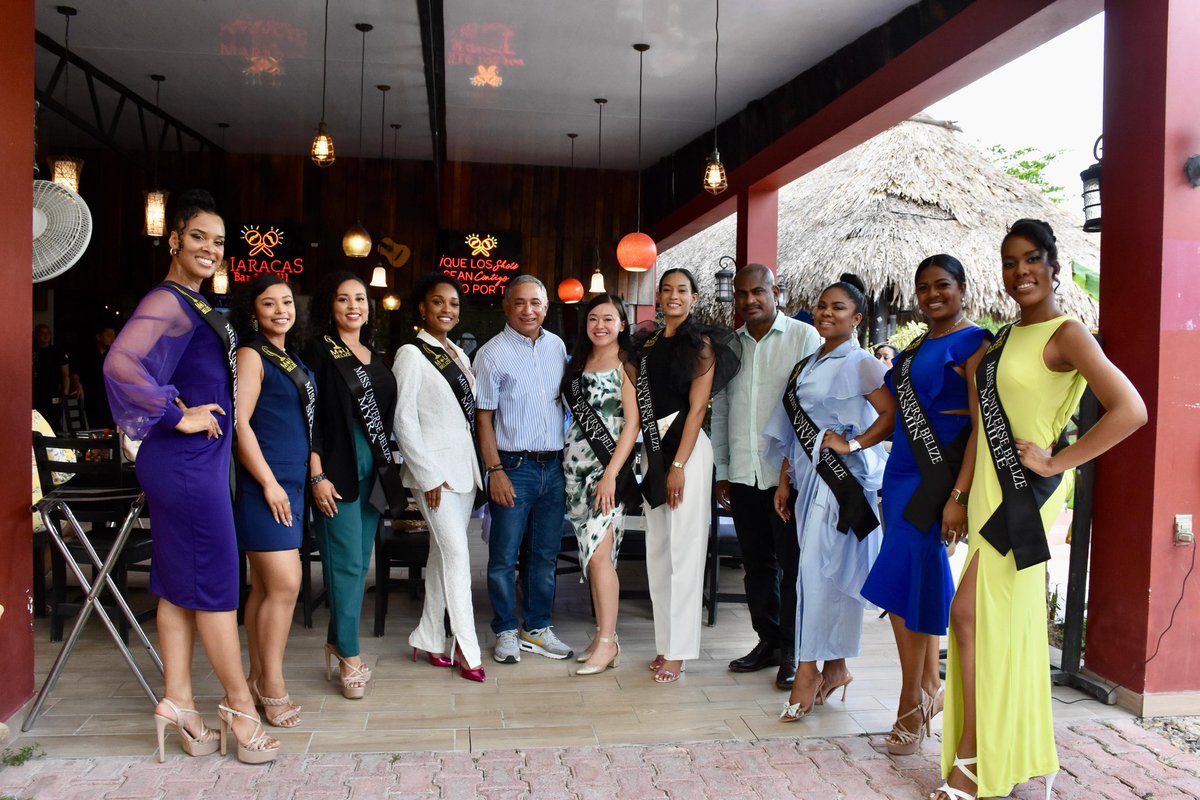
(62,228)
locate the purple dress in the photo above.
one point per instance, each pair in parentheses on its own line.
(167,351)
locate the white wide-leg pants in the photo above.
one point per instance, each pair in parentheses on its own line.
(676,542)
(447,578)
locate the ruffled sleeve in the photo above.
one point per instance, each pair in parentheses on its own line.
(941,387)
(141,362)
(780,439)
(845,401)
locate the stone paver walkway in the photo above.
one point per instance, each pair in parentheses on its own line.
(1112,759)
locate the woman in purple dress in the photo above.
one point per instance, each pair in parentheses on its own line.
(171,376)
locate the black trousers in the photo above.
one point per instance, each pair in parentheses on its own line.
(771,556)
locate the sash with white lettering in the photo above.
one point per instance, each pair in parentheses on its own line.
(366,408)
(1016,523)
(304,385)
(461,389)
(654,482)
(224,331)
(601,440)
(939,464)
(854,510)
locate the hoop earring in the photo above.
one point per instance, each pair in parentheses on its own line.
(174,252)
(254,323)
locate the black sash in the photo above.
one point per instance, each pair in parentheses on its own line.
(1016,524)
(224,332)
(654,483)
(600,438)
(939,465)
(854,510)
(461,388)
(304,385)
(371,418)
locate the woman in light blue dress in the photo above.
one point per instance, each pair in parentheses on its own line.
(840,397)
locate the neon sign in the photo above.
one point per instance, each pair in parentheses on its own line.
(482,264)
(487,76)
(264,250)
(489,44)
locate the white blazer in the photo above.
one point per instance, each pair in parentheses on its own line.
(429,425)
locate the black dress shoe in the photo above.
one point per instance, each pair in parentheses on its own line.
(786,675)
(762,656)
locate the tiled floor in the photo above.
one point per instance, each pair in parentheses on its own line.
(98,709)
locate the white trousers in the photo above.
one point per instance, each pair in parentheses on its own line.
(676,541)
(447,578)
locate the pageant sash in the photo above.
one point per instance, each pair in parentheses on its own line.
(854,510)
(601,441)
(654,480)
(366,408)
(224,331)
(304,385)
(448,368)
(939,465)
(1016,523)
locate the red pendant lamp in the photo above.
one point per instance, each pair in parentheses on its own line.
(636,252)
(570,291)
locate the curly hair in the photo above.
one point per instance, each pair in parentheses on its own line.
(320,308)
(242,313)
(426,285)
(188,204)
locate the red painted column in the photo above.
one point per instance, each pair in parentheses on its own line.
(758,227)
(1150,321)
(16,324)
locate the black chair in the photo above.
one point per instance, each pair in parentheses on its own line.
(73,419)
(97,466)
(400,543)
(722,547)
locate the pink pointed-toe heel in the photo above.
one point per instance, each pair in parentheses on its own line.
(476,674)
(437,659)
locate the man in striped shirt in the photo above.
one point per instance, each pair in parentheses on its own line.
(520,423)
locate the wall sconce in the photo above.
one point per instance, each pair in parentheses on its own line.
(784,295)
(220,279)
(1191,168)
(156,214)
(1091,190)
(65,171)
(725,280)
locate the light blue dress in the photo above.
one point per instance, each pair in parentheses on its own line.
(833,565)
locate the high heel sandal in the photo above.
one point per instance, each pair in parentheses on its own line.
(667,675)
(903,742)
(933,706)
(796,711)
(437,659)
(657,663)
(614,662)
(476,674)
(354,683)
(961,765)
(206,743)
(281,720)
(255,751)
(586,654)
(1050,784)
(828,690)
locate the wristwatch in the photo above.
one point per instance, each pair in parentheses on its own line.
(959,496)
(676,465)
(855,445)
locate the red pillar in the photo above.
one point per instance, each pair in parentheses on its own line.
(758,227)
(1150,321)
(16,324)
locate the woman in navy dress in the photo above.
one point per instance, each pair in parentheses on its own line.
(911,578)
(170,383)
(276,398)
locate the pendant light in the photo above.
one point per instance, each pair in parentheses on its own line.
(356,243)
(322,151)
(636,252)
(391,301)
(570,291)
(66,169)
(597,283)
(156,199)
(714,171)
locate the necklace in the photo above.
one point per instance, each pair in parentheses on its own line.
(961,319)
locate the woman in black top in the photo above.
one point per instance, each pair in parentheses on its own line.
(350,450)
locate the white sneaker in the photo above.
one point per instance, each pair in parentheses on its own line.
(507,650)
(544,642)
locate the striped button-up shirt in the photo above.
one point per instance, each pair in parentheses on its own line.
(518,378)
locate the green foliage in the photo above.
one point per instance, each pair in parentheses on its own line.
(15,758)
(906,334)
(1028,164)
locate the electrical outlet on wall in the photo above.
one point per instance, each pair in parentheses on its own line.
(1183,529)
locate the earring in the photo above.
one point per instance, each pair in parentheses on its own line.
(174,251)
(254,323)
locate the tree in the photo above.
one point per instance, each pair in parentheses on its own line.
(1028,164)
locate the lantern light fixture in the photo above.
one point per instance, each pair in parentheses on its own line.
(322,151)
(156,199)
(724,293)
(570,291)
(636,252)
(356,243)
(1091,189)
(220,278)
(714,170)
(65,170)
(784,294)
(597,284)
(1191,168)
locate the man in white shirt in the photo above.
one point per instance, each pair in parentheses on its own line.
(772,343)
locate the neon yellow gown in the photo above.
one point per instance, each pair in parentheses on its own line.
(1015,727)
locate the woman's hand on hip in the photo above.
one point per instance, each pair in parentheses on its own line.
(325,497)
(836,443)
(1036,458)
(200,419)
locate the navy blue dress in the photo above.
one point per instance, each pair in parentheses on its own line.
(912,578)
(278,424)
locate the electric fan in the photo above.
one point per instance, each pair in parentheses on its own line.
(62,228)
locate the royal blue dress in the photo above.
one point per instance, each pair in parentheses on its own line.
(167,351)
(912,578)
(278,424)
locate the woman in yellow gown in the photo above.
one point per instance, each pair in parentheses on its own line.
(999,725)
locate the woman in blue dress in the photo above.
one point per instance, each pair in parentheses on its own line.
(170,377)
(276,401)
(829,428)
(927,480)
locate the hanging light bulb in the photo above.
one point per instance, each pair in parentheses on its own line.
(65,170)
(597,284)
(379,277)
(356,243)
(391,302)
(636,252)
(322,144)
(714,170)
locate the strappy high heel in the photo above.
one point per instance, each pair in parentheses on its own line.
(256,751)
(282,720)
(903,742)
(657,663)
(614,662)
(354,683)
(586,654)
(828,690)
(933,706)
(961,765)
(796,711)
(206,743)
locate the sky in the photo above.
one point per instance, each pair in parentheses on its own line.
(1051,99)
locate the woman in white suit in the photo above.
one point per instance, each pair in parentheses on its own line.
(435,428)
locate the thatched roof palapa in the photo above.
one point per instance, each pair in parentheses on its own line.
(878,210)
